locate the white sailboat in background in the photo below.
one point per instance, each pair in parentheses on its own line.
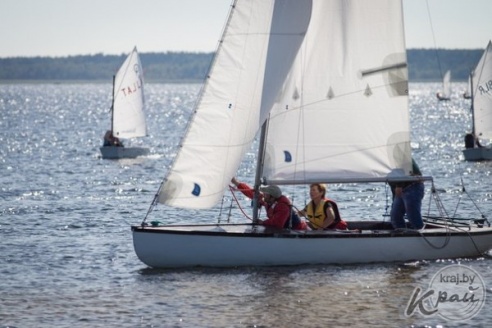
(127,110)
(481,109)
(446,87)
(278,70)
(467,93)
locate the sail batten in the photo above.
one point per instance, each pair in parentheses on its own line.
(383,69)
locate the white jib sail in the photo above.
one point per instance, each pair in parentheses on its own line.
(468,88)
(128,114)
(482,95)
(260,41)
(343,112)
(446,85)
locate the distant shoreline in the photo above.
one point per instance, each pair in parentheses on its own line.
(180,67)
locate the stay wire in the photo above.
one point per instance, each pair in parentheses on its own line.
(442,213)
(434,40)
(447,220)
(463,189)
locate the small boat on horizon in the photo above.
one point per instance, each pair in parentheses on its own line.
(446,87)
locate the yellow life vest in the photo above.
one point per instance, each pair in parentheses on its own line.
(318,215)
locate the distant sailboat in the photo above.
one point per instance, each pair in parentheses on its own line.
(127,115)
(481,109)
(467,93)
(446,87)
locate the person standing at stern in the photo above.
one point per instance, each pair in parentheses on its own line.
(407,199)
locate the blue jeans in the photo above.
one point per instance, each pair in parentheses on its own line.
(410,202)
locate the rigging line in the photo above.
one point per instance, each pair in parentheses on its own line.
(434,39)
(386,187)
(152,205)
(237,202)
(473,202)
(154,201)
(229,215)
(201,92)
(448,237)
(443,214)
(457,205)
(220,209)
(448,227)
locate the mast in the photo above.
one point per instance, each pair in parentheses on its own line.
(471,106)
(259,170)
(112,106)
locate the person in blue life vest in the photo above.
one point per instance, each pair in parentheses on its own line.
(322,213)
(278,207)
(407,199)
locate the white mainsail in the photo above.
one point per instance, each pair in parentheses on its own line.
(343,113)
(128,93)
(482,95)
(446,85)
(332,76)
(467,93)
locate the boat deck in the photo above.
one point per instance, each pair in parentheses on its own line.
(356,229)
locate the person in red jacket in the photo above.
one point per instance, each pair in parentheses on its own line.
(278,207)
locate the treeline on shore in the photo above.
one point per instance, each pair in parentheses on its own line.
(423,65)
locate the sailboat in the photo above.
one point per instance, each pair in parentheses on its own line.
(467,93)
(301,73)
(127,115)
(481,109)
(446,87)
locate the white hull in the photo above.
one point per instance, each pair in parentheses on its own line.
(244,245)
(123,152)
(478,154)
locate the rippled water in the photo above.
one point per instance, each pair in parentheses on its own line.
(66,253)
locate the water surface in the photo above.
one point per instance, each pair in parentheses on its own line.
(66,253)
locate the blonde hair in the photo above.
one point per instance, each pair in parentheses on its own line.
(321,187)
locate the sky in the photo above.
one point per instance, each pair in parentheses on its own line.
(59,28)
